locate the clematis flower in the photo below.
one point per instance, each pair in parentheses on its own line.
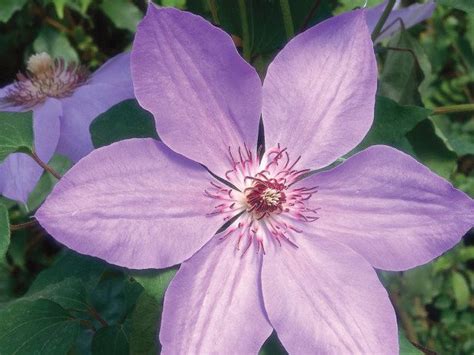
(299,253)
(64,99)
(399,16)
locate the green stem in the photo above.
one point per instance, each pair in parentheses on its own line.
(287,20)
(213,8)
(453,109)
(383,19)
(245,30)
(45,166)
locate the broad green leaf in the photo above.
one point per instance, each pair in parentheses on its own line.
(111,340)
(9,7)
(69,294)
(70,265)
(114,296)
(466,5)
(145,323)
(68,282)
(431,150)
(45,185)
(406,67)
(155,283)
(123,13)
(4,232)
(122,121)
(459,137)
(391,123)
(37,327)
(55,44)
(16,133)
(147,313)
(407,348)
(461,290)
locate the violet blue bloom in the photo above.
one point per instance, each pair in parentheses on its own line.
(64,99)
(300,252)
(405,16)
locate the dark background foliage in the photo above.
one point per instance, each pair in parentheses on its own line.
(61,302)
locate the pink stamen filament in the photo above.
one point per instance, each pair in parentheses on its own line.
(270,204)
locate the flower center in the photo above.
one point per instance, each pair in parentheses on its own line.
(269,208)
(45,77)
(265,197)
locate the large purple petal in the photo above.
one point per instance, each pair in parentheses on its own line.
(19,171)
(323,298)
(409,16)
(81,109)
(205,98)
(214,304)
(116,71)
(319,92)
(134,203)
(390,208)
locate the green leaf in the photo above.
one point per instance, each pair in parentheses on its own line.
(174,3)
(69,294)
(59,6)
(407,348)
(459,137)
(155,283)
(122,121)
(391,123)
(466,5)
(123,13)
(70,265)
(405,69)
(431,150)
(147,313)
(109,296)
(461,290)
(9,7)
(55,44)
(145,322)
(111,340)
(16,133)
(45,185)
(4,232)
(37,327)
(272,346)
(265,20)
(84,5)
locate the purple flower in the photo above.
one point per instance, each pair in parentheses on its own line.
(406,17)
(64,99)
(299,254)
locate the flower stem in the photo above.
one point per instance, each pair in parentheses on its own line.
(453,109)
(287,20)
(45,166)
(97,316)
(213,7)
(245,30)
(15,227)
(383,19)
